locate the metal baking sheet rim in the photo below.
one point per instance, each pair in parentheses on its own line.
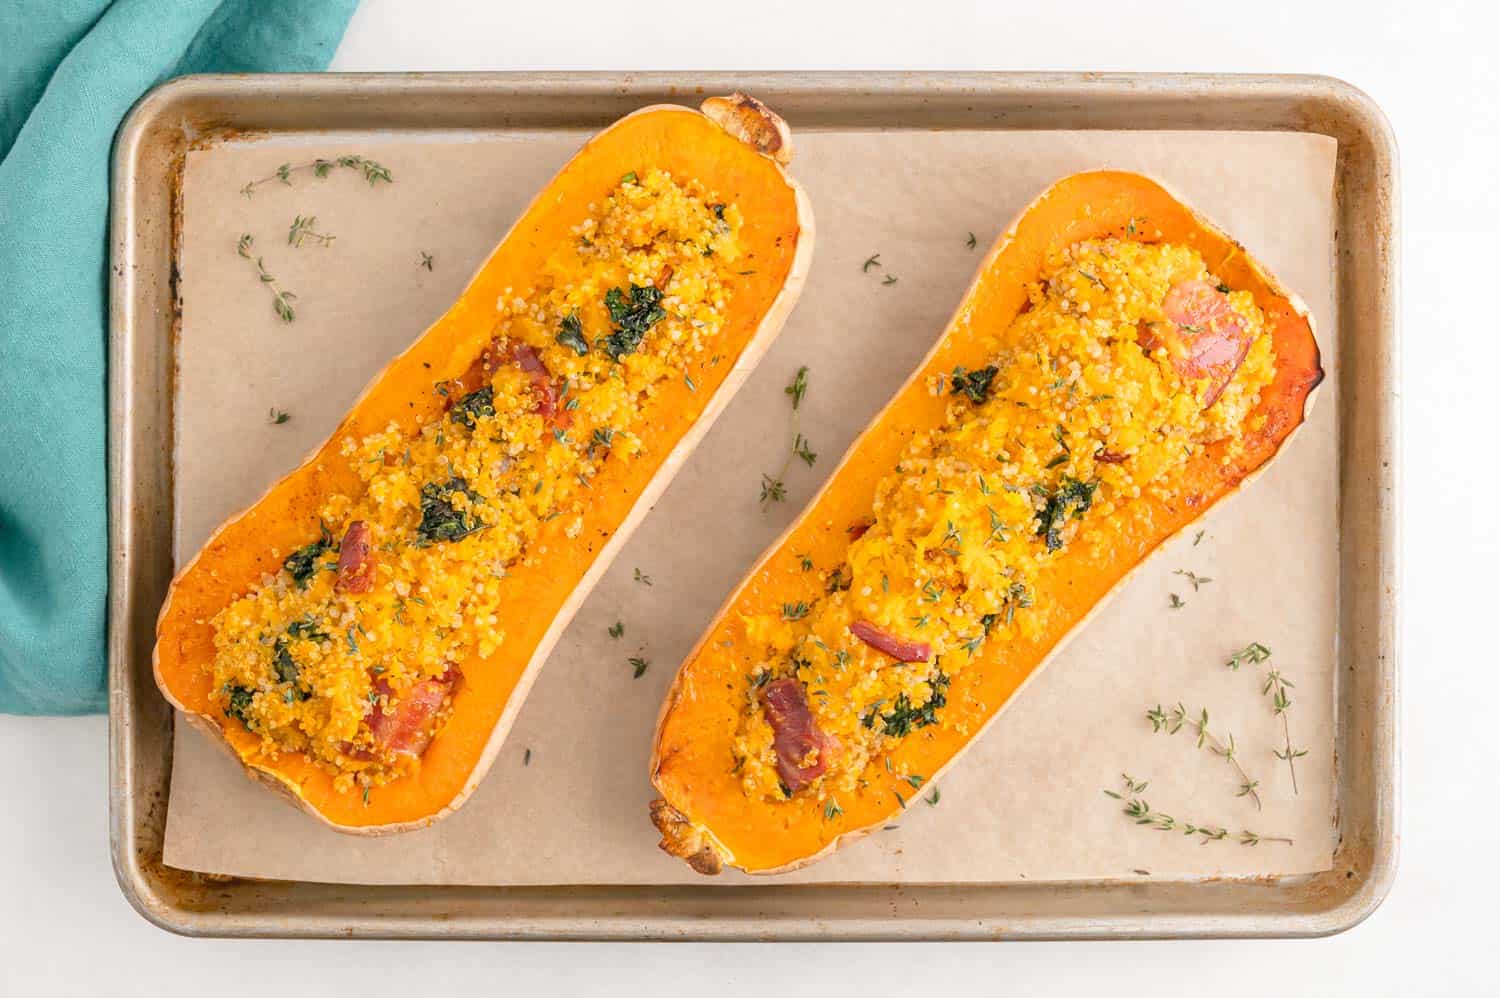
(147,158)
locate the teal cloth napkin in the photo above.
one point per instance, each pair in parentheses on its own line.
(69,70)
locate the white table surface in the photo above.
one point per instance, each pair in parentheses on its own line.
(65,929)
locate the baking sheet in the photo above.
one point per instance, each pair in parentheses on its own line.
(1026,802)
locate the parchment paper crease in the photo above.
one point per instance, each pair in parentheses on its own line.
(1026,802)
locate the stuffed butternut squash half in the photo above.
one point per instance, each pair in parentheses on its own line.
(363,636)
(1118,366)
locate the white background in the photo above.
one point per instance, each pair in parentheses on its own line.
(65,929)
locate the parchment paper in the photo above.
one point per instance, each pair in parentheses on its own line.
(1026,802)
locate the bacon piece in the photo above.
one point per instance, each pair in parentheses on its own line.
(796,734)
(1206,339)
(405,726)
(860,527)
(901,649)
(356,564)
(1109,457)
(543,385)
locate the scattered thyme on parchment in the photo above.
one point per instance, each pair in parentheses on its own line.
(281,300)
(773,489)
(1139,811)
(1275,686)
(373,172)
(278,416)
(1178,718)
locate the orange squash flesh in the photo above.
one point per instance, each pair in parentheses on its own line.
(704,815)
(540,599)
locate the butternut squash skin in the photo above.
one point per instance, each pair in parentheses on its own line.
(704,815)
(777,237)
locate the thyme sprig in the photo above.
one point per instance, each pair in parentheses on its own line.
(1178,718)
(304,227)
(773,489)
(1193,578)
(373,172)
(1139,811)
(280,300)
(1275,686)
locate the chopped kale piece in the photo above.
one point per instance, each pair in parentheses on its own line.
(303,562)
(303,627)
(284,664)
(571,334)
(632,318)
(975,384)
(480,402)
(1070,498)
(287,671)
(240,699)
(441,520)
(904,717)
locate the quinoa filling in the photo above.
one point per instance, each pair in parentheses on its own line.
(353,653)
(1129,359)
